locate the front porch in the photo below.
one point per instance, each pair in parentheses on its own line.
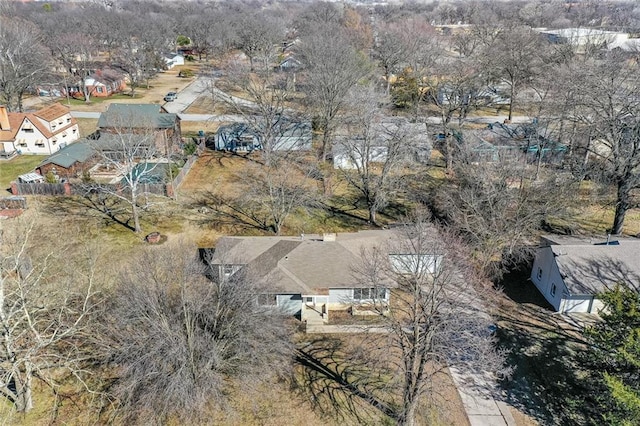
(315,310)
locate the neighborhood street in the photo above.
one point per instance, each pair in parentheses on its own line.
(199,87)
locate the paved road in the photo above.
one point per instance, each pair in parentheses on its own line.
(201,87)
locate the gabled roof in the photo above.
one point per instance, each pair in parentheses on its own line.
(106,76)
(134,116)
(590,267)
(52,112)
(15,120)
(299,265)
(77,152)
(49,113)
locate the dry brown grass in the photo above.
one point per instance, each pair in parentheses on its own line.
(87,126)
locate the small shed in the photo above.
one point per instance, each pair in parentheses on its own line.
(31,178)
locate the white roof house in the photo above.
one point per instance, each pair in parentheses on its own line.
(571,272)
(581,37)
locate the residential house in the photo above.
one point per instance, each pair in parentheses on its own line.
(349,150)
(102,83)
(503,141)
(303,275)
(71,161)
(585,37)
(240,137)
(571,272)
(143,119)
(42,132)
(173,59)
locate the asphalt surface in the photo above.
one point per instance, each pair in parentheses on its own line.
(202,86)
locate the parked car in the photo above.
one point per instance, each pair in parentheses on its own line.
(170,97)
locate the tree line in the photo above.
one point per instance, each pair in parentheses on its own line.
(368,78)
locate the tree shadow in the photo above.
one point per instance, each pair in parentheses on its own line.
(82,206)
(339,382)
(516,285)
(549,383)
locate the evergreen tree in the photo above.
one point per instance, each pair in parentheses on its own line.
(614,356)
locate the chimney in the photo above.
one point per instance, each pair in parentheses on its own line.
(4,118)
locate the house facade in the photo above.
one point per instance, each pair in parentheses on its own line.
(71,161)
(240,137)
(42,132)
(105,82)
(173,59)
(144,119)
(571,272)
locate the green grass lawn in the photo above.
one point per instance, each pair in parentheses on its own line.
(10,170)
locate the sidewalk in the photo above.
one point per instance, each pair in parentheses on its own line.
(482,409)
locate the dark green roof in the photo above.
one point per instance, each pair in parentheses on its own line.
(79,151)
(134,116)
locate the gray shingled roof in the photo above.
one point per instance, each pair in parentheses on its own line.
(296,265)
(79,152)
(590,268)
(135,116)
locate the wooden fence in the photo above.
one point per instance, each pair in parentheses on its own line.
(184,171)
(20,188)
(167,190)
(13,203)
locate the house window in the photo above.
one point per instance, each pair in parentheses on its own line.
(68,120)
(54,141)
(28,130)
(53,127)
(40,144)
(64,135)
(369,293)
(74,130)
(99,89)
(539,274)
(553,290)
(267,299)
(22,143)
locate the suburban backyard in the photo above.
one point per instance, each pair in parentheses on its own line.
(376,222)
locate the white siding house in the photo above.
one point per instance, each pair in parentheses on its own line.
(173,59)
(570,272)
(42,132)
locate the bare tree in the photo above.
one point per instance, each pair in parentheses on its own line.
(76,53)
(498,209)
(373,149)
(514,57)
(333,67)
(608,104)
(390,51)
(438,318)
(457,90)
(177,340)
(23,60)
(129,148)
(139,65)
(268,195)
(265,108)
(259,36)
(47,304)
